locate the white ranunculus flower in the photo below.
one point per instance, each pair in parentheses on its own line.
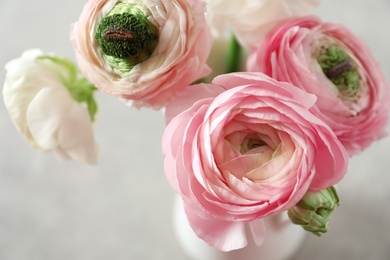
(40,93)
(250,20)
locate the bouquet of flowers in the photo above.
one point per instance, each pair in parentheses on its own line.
(264,103)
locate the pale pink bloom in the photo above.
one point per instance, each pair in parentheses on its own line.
(43,110)
(184,43)
(249,20)
(288,53)
(242,148)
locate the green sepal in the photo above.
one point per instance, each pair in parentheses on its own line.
(314,210)
(79,88)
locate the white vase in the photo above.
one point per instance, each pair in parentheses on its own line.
(282,241)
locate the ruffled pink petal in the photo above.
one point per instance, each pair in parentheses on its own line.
(257,227)
(220,234)
(188,97)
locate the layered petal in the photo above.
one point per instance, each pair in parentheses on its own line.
(251,151)
(328,60)
(38,96)
(176,60)
(250,20)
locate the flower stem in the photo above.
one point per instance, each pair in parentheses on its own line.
(234,56)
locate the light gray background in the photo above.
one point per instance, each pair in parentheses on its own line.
(121,209)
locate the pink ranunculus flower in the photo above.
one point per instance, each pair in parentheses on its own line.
(328,60)
(242,148)
(251,19)
(166,45)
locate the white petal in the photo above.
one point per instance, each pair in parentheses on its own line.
(43,110)
(59,123)
(76,135)
(45,113)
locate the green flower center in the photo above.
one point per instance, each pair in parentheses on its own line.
(341,70)
(126,37)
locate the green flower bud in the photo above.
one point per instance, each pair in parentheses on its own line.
(340,69)
(79,87)
(126,37)
(314,210)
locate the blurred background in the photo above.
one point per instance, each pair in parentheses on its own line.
(122,208)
